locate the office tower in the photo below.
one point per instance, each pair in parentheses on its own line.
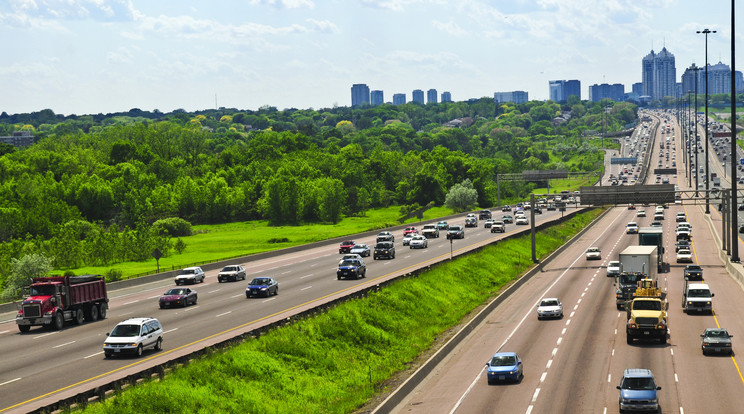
(616,92)
(359,94)
(659,74)
(517,97)
(431,96)
(560,90)
(446,97)
(418,96)
(399,99)
(377,98)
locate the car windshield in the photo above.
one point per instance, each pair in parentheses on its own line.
(549,303)
(698,293)
(614,264)
(716,334)
(125,331)
(42,290)
(383,245)
(693,267)
(229,269)
(638,384)
(349,263)
(188,271)
(347,243)
(360,247)
(176,292)
(260,281)
(503,361)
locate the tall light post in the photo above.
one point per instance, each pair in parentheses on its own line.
(694,114)
(734,205)
(707,171)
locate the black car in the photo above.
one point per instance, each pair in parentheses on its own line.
(262,286)
(537,210)
(682,244)
(693,272)
(351,268)
(182,297)
(484,215)
(384,250)
(456,232)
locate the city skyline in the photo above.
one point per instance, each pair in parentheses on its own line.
(101,56)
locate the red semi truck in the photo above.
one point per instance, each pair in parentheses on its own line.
(54,300)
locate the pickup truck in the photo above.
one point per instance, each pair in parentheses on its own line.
(430,231)
(498,227)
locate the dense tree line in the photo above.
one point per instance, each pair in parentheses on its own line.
(88,190)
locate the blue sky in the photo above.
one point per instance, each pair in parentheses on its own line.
(91,56)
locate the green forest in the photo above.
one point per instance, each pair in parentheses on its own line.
(100,189)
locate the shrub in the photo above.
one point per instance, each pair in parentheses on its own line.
(173,226)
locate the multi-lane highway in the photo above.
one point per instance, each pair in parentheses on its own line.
(574,364)
(44,365)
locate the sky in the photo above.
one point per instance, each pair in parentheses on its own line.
(102,56)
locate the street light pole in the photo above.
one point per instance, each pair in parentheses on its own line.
(734,205)
(707,155)
(697,167)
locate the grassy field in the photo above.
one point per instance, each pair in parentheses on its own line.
(224,241)
(337,361)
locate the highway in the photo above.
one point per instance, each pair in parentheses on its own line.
(574,364)
(43,365)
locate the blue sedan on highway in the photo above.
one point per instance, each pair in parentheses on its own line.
(504,366)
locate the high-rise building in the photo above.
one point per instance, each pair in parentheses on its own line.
(560,90)
(739,79)
(399,99)
(616,92)
(659,74)
(359,94)
(431,96)
(517,97)
(637,88)
(418,96)
(377,98)
(446,97)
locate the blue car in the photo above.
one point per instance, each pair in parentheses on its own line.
(504,366)
(638,391)
(262,286)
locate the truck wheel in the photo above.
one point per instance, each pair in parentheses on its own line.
(662,340)
(102,311)
(59,322)
(24,328)
(93,313)
(79,318)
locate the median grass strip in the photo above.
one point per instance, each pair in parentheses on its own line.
(337,361)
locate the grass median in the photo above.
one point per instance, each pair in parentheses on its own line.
(336,362)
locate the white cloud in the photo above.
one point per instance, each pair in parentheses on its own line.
(285,4)
(450,28)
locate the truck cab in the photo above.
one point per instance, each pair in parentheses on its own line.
(647,314)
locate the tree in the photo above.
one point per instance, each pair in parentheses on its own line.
(462,196)
(21,272)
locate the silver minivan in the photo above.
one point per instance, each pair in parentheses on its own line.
(133,336)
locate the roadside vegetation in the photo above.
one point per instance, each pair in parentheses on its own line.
(96,191)
(337,361)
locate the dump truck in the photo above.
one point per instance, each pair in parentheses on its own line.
(653,236)
(52,301)
(636,263)
(647,313)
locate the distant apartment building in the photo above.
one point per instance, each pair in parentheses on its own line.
(377,98)
(637,88)
(659,75)
(446,97)
(399,99)
(518,97)
(19,139)
(431,96)
(359,94)
(616,92)
(560,90)
(417,96)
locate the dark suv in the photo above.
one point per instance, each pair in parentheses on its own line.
(384,249)
(455,232)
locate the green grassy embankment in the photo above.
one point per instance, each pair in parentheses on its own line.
(337,361)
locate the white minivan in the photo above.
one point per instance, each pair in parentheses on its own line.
(132,336)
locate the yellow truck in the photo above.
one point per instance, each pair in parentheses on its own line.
(647,313)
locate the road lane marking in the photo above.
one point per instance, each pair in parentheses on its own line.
(534,396)
(542,377)
(170,330)
(238,295)
(306,287)
(65,344)
(92,355)
(550,362)
(302,277)
(46,334)
(223,314)
(213,291)
(8,382)
(609,377)
(676,378)
(129,303)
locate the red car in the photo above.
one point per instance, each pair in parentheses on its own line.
(346,246)
(409,230)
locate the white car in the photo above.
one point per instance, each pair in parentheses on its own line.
(631,228)
(593,253)
(684,256)
(407,238)
(133,336)
(641,213)
(550,308)
(613,268)
(680,217)
(418,242)
(521,220)
(190,275)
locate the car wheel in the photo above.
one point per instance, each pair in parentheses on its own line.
(195,299)
(276,291)
(139,350)
(247,296)
(102,311)
(162,306)
(159,344)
